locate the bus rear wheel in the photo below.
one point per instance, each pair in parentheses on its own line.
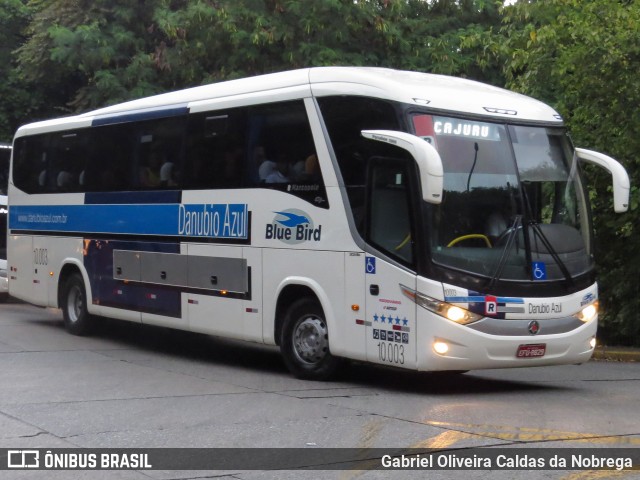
(77,319)
(305,342)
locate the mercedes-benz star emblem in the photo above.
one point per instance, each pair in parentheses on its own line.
(534,327)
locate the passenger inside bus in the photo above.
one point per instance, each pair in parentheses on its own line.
(150,173)
(265,166)
(280,173)
(167,175)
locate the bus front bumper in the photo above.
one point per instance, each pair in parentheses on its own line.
(456,347)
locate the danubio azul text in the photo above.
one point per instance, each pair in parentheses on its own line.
(213,220)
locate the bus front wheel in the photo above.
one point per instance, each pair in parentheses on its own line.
(77,319)
(305,342)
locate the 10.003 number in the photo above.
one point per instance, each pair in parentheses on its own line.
(391,352)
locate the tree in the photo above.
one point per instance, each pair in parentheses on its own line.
(583,57)
(84,54)
(14,17)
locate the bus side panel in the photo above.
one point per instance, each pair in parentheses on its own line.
(116,286)
(320,271)
(58,252)
(391,316)
(20,255)
(36,263)
(163,274)
(355,302)
(40,269)
(252,307)
(215,313)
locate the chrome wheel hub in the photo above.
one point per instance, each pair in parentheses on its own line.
(310,341)
(75,304)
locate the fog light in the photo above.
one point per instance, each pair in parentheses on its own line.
(592,342)
(440,347)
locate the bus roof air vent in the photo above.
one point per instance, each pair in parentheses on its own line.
(501,111)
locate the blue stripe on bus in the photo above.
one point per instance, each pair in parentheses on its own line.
(113,198)
(140,115)
(482,299)
(214,221)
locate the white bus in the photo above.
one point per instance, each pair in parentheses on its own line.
(5,157)
(398,218)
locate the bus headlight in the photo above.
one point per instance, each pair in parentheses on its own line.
(447,310)
(588,313)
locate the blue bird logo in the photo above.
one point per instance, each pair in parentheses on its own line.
(292,219)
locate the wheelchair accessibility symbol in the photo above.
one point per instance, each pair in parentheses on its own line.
(539,270)
(370,265)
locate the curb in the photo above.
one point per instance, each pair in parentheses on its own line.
(616,354)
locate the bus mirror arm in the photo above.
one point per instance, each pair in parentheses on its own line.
(621,182)
(425,155)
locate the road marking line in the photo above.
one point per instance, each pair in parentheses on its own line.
(530,434)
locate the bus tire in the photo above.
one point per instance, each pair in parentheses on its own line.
(77,319)
(305,342)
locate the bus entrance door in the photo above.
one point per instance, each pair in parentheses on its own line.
(391,316)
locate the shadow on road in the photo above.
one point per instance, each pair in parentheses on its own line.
(267,359)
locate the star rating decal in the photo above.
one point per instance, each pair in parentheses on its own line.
(391,320)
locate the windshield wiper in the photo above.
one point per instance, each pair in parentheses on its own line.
(535,227)
(473,167)
(512,236)
(552,251)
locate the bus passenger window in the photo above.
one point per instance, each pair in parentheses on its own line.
(159,153)
(215,150)
(285,157)
(30,163)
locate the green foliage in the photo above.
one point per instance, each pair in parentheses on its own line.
(583,56)
(14,17)
(84,54)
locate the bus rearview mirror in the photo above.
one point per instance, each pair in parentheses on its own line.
(427,158)
(621,182)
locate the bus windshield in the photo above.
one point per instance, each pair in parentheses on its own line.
(513,205)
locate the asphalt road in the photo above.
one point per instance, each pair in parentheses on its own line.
(131,386)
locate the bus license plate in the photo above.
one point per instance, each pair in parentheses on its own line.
(531,350)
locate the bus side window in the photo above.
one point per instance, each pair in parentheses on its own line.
(30,169)
(345,118)
(389,217)
(159,153)
(284,152)
(283,135)
(109,166)
(215,150)
(67,157)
